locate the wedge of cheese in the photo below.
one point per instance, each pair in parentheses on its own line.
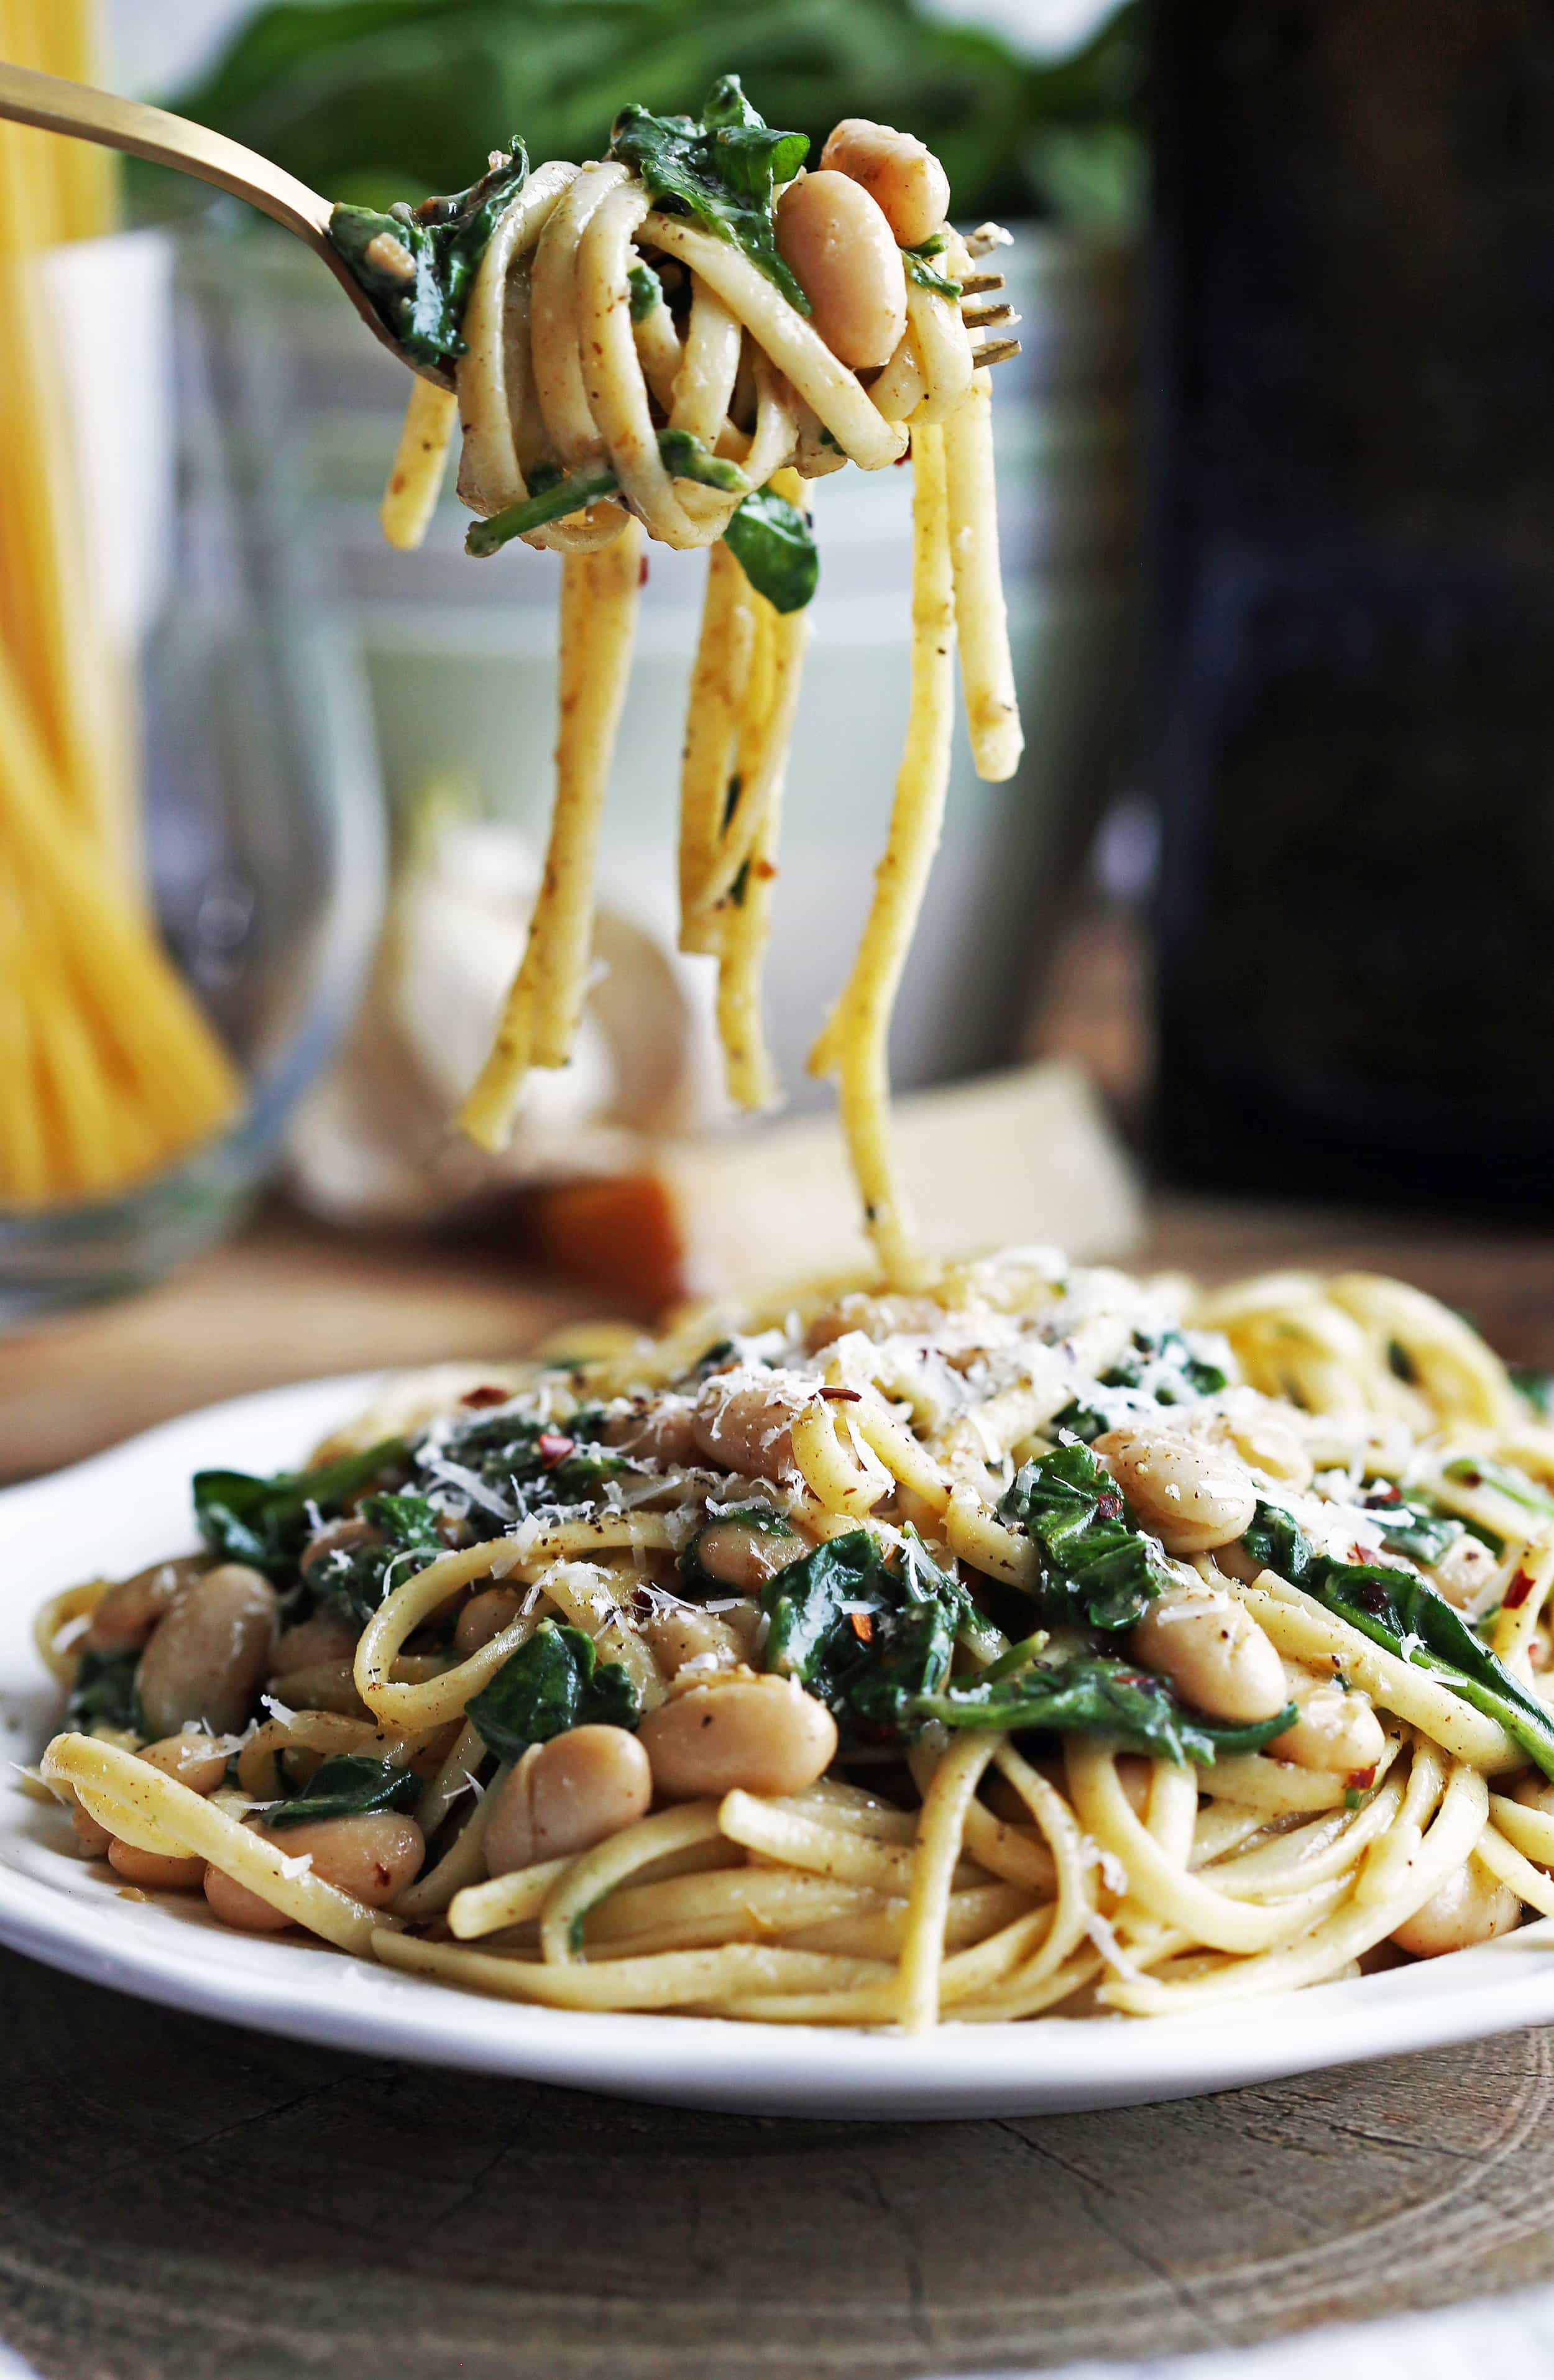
(1023,1157)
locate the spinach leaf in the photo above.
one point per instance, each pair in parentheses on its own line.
(557,494)
(1474,1471)
(1411,1527)
(348,1786)
(868,1640)
(556,500)
(1097,1695)
(647,291)
(509,1465)
(1097,1566)
(102,1693)
(920,270)
(1406,1616)
(1177,1376)
(1536,1387)
(417,263)
(722,172)
(774,546)
(266,1523)
(553,1682)
(355,1580)
(686,458)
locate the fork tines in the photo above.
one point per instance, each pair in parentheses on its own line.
(983,318)
(975,283)
(996,351)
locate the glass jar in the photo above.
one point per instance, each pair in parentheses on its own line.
(264,848)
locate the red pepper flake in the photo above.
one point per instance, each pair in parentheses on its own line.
(642,572)
(1109,1508)
(554,1447)
(764,869)
(863,1626)
(841,1396)
(1360,1780)
(1470,1478)
(487,1396)
(1518,1591)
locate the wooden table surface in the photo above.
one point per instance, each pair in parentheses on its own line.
(180,2198)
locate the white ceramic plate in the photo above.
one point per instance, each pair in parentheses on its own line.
(125,1508)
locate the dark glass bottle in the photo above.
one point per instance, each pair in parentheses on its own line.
(1354,365)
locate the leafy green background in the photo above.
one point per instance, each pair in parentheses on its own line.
(372,100)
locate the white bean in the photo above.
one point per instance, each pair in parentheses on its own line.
(764,1734)
(1192,1495)
(156,1871)
(566,1795)
(835,241)
(373,1856)
(210,1655)
(1336,1731)
(743,1557)
(900,173)
(1472,1906)
(686,1637)
(1214,1653)
(127,1613)
(189,1758)
(745,1429)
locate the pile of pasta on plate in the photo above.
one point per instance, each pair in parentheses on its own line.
(1036,1639)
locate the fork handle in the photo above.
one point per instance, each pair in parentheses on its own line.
(52,105)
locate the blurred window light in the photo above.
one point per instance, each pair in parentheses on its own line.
(1042,28)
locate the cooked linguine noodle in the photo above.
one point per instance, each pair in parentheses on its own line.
(624,373)
(1039,1641)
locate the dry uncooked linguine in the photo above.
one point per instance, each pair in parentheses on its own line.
(672,344)
(1039,1641)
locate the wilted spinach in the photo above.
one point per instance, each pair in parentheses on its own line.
(266,1523)
(722,172)
(1095,1565)
(774,546)
(1179,1377)
(554,1681)
(520,1465)
(351,1785)
(442,242)
(355,1580)
(102,1693)
(1406,1616)
(1097,1695)
(868,1639)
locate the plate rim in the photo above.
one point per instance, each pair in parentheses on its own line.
(293,1989)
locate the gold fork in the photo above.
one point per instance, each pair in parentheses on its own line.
(52,105)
